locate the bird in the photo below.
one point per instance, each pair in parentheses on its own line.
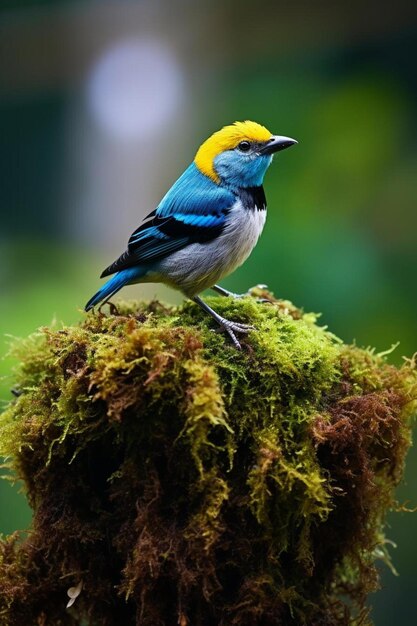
(206,225)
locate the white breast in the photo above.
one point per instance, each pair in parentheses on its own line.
(201,265)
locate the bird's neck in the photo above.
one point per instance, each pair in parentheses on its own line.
(252,198)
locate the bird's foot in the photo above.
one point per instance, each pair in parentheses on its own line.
(261,294)
(229,294)
(231,328)
(251,292)
(236,296)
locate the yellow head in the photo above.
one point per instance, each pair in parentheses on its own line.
(227,138)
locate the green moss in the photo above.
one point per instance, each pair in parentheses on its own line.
(186,482)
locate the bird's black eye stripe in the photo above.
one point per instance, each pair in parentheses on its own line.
(244,146)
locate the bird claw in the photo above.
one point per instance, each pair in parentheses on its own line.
(250,293)
(235,296)
(234,327)
(239,296)
(233,337)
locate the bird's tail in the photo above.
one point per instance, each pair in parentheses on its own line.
(113,285)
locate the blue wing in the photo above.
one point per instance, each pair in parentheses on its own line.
(194,210)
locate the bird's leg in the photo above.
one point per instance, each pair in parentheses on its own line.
(227,325)
(225,292)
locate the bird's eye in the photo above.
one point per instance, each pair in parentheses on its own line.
(244,146)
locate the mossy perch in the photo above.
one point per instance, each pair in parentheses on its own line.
(185,482)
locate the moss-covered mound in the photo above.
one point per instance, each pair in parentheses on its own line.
(181,481)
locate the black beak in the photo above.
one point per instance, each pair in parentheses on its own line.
(277,143)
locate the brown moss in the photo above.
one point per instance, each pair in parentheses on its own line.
(187,483)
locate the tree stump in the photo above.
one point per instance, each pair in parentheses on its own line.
(176,480)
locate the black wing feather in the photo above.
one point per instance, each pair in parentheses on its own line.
(158,237)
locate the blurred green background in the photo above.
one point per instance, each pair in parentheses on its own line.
(103,104)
